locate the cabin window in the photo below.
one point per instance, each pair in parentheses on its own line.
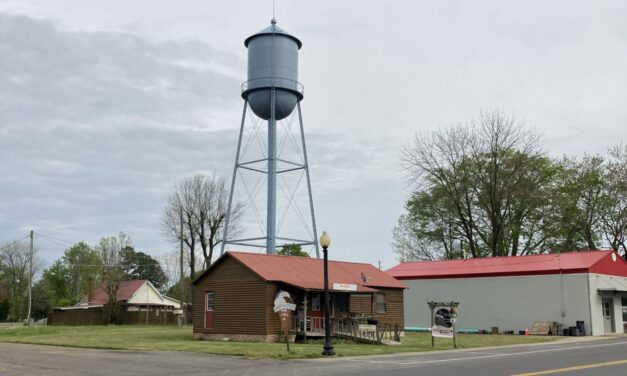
(381,305)
(210,297)
(315,302)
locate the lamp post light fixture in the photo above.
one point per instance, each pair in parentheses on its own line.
(325,241)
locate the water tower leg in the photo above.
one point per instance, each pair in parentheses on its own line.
(236,165)
(271,218)
(311,205)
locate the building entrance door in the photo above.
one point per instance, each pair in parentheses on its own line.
(608,315)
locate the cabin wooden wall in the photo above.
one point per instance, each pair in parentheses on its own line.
(360,304)
(240,301)
(366,304)
(395,312)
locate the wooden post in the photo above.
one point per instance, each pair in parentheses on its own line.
(287,330)
(305,316)
(30,278)
(182,277)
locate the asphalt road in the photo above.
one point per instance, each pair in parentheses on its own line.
(606,357)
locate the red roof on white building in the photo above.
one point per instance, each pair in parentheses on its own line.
(125,292)
(601,262)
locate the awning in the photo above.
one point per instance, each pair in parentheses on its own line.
(610,290)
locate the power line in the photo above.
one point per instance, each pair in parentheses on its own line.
(7,245)
(55,239)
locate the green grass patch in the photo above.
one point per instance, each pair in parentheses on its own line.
(136,337)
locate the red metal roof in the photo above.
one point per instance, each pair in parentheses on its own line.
(307,273)
(601,262)
(125,292)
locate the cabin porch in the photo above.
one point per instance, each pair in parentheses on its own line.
(352,316)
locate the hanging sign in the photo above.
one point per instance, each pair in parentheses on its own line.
(443,319)
(442,323)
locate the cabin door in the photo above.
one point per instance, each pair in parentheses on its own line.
(209,310)
(608,315)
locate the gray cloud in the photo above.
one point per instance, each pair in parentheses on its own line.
(97,126)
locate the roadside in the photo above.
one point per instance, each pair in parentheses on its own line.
(150,338)
(605,356)
(558,341)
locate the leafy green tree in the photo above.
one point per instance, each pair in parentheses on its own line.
(175,290)
(56,280)
(112,272)
(579,191)
(292,250)
(139,265)
(426,231)
(14,274)
(613,208)
(4,299)
(41,300)
(83,266)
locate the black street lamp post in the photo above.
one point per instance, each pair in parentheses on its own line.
(328,346)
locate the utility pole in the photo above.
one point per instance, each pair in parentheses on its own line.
(182,280)
(30,278)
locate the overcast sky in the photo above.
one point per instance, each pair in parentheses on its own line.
(105,104)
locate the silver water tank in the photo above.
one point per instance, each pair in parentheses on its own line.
(272,63)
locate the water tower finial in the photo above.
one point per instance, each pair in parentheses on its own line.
(273,18)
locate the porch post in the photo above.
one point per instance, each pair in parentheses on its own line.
(305,315)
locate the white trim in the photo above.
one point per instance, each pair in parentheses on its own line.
(207,293)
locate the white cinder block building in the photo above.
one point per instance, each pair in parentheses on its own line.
(512,292)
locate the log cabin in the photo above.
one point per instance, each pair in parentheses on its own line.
(234,298)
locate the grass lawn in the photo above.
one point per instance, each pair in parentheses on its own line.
(135,337)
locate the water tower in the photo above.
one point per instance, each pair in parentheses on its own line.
(273,93)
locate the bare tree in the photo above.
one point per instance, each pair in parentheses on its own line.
(204,201)
(439,160)
(184,198)
(213,206)
(477,172)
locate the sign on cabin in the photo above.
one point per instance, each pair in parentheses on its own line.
(344,287)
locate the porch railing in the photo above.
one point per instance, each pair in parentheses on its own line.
(312,325)
(357,329)
(366,330)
